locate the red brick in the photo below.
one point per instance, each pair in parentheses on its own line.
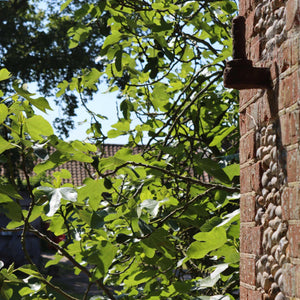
(243,122)
(251,240)
(297,280)
(247,4)
(290,127)
(247,270)
(245,96)
(292,10)
(288,90)
(248,294)
(242,8)
(295,50)
(290,202)
(284,55)
(291,280)
(255,49)
(254,295)
(245,180)
(253,116)
(294,241)
(285,129)
(255,177)
(292,89)
(243,293)
(247,205)
(249,118)
(265,110)
(292,163)
(274,69)
(294,126)
(247,147)
(283,91)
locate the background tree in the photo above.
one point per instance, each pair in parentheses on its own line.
(35,48)
(164,223)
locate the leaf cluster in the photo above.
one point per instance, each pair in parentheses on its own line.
(160,218)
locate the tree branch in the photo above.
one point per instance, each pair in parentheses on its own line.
(174,175)
(71,259)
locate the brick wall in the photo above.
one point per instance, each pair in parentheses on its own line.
(270,154)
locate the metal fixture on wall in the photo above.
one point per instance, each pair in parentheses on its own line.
(239,73)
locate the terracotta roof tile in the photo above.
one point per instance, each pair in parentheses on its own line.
(79,171)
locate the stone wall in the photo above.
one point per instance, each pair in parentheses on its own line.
(270,154)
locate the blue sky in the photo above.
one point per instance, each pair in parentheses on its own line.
(102,103)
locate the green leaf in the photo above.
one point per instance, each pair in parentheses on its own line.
(6,292)
(38,128)
(62,86)
(4,74)
(206,242)
(4,145)
(160,97)
(29,270)
(118,62)
(102,257)
(112,39)
(63,173)
(122,238)
(97,220)
(13,211)
(123,125)
(91,78)
(5,199)
(211,223)
(160,241)
(3,112)
(144,227)
(212,168)
(92,191)
(10,190)
(53,261)
(64,5)
(41,103)
(219,138)
(230,254)
(14,224)
(232,171)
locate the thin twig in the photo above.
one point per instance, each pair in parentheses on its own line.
(171,174)
(185,207)
(71,259)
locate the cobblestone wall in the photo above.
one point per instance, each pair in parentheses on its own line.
(270,154)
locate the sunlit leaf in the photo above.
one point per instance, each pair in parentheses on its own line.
(4,74)
(38,127)
(3,112)
(5,145)
(206,242)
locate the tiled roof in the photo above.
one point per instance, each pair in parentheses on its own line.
(79,171)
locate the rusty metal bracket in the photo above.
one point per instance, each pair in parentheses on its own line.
(239,73)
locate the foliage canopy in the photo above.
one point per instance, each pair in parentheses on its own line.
(159,224)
